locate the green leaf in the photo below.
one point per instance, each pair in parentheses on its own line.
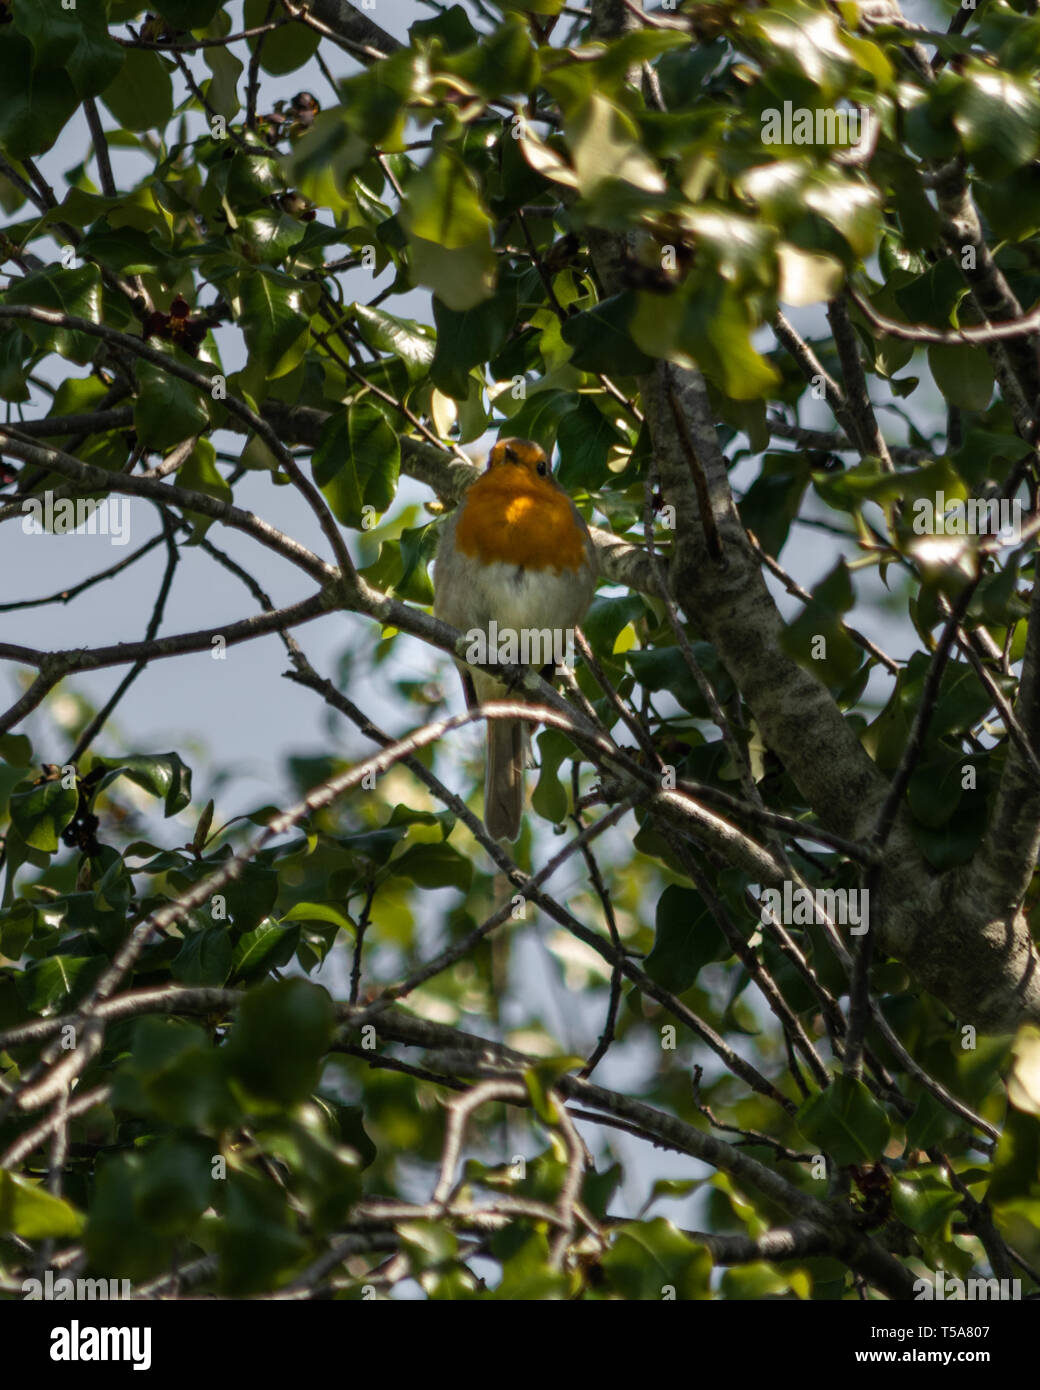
(29,1211)
(846,1121)
(199,473)
(816,636)
(441,204)
(651,1260)
(924,1202)
(36,103)
(962,702)
(279,1040)
(607,618)
(16,928)
(640,46)
(52,32)
(73,40)
(740,248)
(803,44)
(604,143)
(41,813)
(686,939)
(452,26)
(1016,1160)
(471,337)
(76,292)
(930,1124)
(585,439)
(773,500)
(931,298)
(417,547)
(328,1173)
(127,249)
(96,60)
(120,1246)
(16,348)
(600,338)
(16,749)
(271,235)
(319,912)
(709,325)
(807,277)
(162,774)
(266,948)
(850,205)
(540,416)
(426,1243)
(412,342)
(998,118)
(246,179)
(167,410)
(434,865)
(461,278)
(285,49)
(936,787)
(204,959)
(527,1274)
(542,1077)
(320,163)
(141,96)
(1011,204)
(674,1187)
(760,1281)
(550,798)
(222,89)
(251,896)
(175,1185)
(275,326)
(963,374)
(449,233)
(174,1071)
(356,463)
(375,100)
(256,1244)
(50,984)
(665,668)
(500,62)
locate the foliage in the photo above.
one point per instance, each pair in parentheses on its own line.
(238,1050)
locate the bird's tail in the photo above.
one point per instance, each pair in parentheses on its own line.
(504,783)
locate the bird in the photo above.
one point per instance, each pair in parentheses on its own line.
(516,552)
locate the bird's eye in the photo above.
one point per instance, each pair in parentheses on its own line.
(542,468)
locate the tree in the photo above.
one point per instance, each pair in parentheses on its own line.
(804,867)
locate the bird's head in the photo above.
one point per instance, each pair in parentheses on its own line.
(520,453)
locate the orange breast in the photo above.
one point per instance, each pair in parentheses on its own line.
(519,520)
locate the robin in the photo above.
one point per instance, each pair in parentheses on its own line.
(515,555)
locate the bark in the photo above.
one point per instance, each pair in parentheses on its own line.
(962,933)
